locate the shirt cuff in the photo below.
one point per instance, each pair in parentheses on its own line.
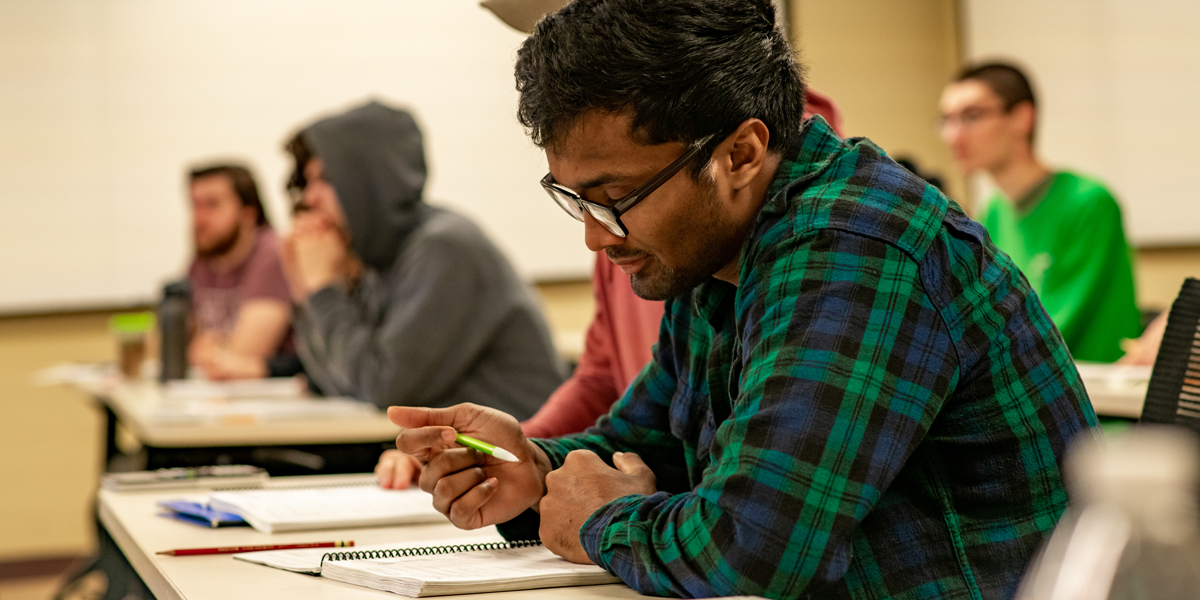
(326,299)
(602,531)
(524,526)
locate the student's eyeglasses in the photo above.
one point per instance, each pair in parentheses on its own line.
(610,216)
(969,117)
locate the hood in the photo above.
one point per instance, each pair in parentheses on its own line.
(375,159)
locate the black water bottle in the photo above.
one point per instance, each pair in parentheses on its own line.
(172,324)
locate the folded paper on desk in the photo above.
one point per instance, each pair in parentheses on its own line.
(227,476)
(273,387)
(300,509)
(240,412)
(471,569)
(308,560)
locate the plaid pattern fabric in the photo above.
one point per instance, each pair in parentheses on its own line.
(879,410)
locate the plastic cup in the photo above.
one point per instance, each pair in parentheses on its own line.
(130,330)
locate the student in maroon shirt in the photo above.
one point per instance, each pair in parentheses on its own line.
(241,306)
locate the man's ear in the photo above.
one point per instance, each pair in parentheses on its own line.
(1024,115)
(744,153)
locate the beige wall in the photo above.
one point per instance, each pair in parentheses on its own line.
(1161,271)
(50,437)
(884,62)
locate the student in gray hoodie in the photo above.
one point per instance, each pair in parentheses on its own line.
(400,302)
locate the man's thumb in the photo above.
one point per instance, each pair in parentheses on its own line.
(630,464)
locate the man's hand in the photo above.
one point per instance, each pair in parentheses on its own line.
(470,487)
(315,254)
(396,470)
(579,488)
(226,365)
(202,349)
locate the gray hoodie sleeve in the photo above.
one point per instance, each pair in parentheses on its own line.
(442,304)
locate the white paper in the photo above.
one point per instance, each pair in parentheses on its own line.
(273,510)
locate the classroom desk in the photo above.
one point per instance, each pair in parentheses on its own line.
(1115,390)
(131,519)
(134,404)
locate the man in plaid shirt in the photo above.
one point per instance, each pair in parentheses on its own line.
(854,393)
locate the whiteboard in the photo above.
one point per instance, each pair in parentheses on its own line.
(1118,84)
(105,103)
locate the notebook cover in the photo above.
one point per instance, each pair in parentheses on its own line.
(200,514)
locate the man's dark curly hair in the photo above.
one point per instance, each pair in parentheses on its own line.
(682,69)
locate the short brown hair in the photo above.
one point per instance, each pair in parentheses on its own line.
(243,185)
(1006,81)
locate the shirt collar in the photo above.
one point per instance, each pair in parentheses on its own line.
(808,156)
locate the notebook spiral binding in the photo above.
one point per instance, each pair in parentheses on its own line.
(427,550)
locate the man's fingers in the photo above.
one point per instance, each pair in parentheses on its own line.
(396,470)
(449,462)
(412,417)
(383,469)
(423,439)
(447,489)
(630,464)
(581,457)
(466,512)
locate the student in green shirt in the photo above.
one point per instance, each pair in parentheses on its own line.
(1063,230)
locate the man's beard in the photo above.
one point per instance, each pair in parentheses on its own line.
(222,246)
(710,241)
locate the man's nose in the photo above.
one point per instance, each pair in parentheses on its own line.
(951,131)
(596,236)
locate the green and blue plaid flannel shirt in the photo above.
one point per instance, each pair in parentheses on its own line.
(878,410)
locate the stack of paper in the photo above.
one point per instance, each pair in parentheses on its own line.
(272,387)
(275,510)
(190,411)
(467,572)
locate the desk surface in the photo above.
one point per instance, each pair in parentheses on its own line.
(135,403)
(1116,390)
(131,519)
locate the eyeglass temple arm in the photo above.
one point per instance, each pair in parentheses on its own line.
(662,177)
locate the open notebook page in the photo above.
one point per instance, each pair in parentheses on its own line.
(367,505)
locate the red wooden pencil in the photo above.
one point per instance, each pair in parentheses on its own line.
(237,549)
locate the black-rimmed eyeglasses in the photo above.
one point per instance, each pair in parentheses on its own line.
(610,216)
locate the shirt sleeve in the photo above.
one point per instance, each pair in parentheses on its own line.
(264,279)
(845,365)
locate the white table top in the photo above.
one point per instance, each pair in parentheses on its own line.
(1115,390)
(270,421)
(132,520)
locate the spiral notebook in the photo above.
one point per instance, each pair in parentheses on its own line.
(459,566)
(460,569)
(273,510)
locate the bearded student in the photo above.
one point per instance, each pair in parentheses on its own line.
(241,309)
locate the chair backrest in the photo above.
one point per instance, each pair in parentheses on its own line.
(1174,393)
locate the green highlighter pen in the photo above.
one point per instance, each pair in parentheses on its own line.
(486,448)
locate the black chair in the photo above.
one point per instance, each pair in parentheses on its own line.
(1174,393)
